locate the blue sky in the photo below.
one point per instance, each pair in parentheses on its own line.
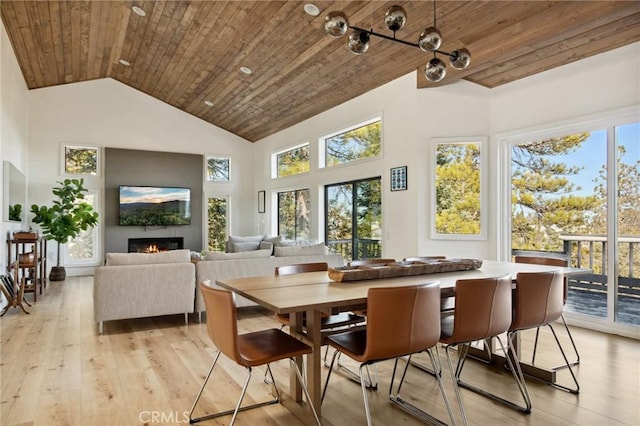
(593,153)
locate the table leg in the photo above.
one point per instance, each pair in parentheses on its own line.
(314,360)
(295,329)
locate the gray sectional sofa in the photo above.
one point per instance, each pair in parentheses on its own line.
(136,285)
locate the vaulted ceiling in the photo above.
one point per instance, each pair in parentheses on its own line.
(187,52)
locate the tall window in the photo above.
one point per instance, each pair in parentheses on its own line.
(574,192)
(217,223)
(290,162)
(294,214)
(356,143)
(82,250)
(218,169)
(458,189)
(354,218)
(80,160)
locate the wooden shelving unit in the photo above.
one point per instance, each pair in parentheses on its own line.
(27,263)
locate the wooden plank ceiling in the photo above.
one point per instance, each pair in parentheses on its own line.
(186,52)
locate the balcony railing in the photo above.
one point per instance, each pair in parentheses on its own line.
(588,292)
(365,248)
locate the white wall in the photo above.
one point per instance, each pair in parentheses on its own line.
(412,117)
(107,113)
(14,121)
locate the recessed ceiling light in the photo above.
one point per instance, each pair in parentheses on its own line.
(311,9)
(125,63)
(246,70)
(208,103)
(138,11)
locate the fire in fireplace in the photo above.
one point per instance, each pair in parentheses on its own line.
(155,245)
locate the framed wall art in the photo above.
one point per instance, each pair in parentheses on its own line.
(399,178)
(261,201)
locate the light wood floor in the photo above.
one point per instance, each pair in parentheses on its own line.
(56,369)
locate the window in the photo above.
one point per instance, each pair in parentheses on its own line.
(218,169)
(82,250)
(80,160)
(294,214)
(356,143)
(290,162)
(353,223)
(575,193)
(458,194)
(217,223)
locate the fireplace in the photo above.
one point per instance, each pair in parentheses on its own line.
(154,245)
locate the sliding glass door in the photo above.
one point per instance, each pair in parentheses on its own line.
(576,194)
(354,218)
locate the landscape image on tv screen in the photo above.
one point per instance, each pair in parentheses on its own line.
(154,206)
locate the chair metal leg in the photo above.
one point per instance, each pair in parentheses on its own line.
(326,382)
(303,383)
(410,408)
(567,365)
(573,343)
(370,382)
(456,388)
(516,371)
(363,385)
(238,408)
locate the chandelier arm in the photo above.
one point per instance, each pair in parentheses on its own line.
(386,37)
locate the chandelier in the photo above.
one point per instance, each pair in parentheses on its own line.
(336,25)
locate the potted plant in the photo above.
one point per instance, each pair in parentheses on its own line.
(66,218)
(15,212)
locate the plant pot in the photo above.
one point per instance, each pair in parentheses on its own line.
(58,273)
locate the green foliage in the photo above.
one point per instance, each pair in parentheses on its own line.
(217,221)
(458,189)
(15,212)
(543,206)
(218,169)
(293,161)
(81,160)
(68,216)
(294,214)
(363,142)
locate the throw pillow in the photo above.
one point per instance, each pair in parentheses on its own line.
(250,239)
(274,240)
(266,245)
(308,250)
(240,247)
(297,243)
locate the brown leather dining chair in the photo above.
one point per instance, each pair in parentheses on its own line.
(247,350)
(482,311)
(401,321)
(538,301)
(552,261)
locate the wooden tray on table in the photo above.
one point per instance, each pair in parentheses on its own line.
(401,269)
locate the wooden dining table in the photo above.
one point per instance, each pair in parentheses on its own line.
(314,293)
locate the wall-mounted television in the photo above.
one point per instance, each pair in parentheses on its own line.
(154,206)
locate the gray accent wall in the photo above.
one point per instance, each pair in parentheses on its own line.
(150,168)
